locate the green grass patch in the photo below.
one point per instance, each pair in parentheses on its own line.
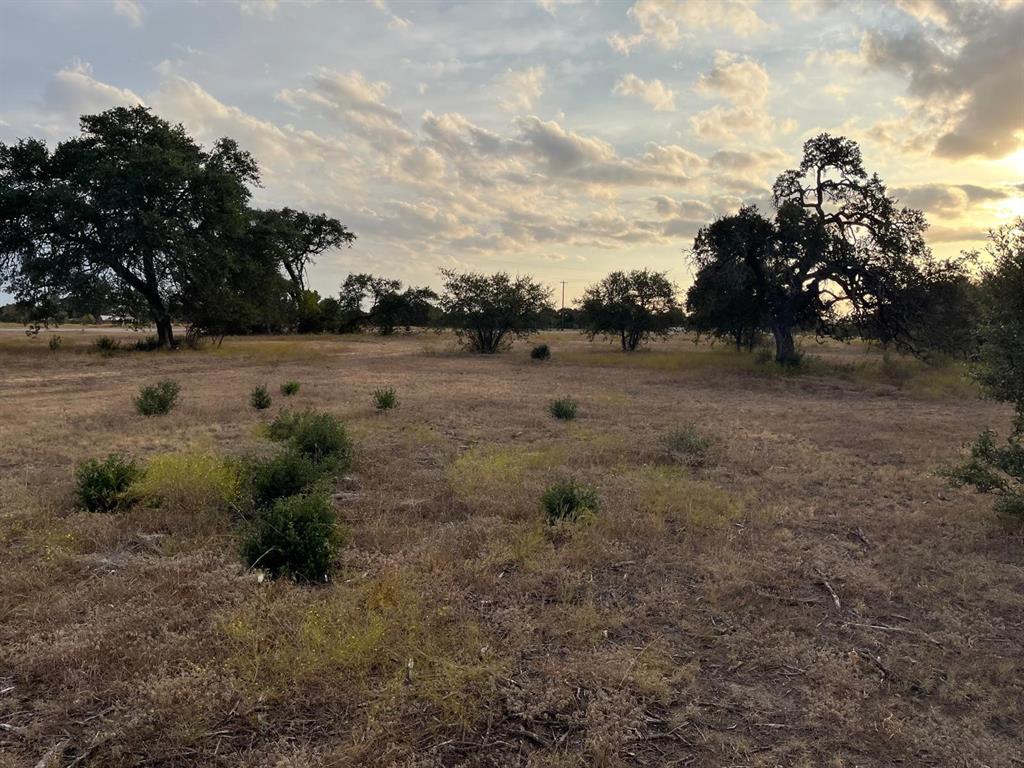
(669,493)
(493,470)
(188,481)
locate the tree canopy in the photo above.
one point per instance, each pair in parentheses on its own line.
(380,303)
(840,252)
(487,312)
(135,210)
(632,306)
(1000,366)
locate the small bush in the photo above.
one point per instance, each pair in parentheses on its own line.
(103,486)
(385,399)
(688,446)
(997,469)
(568,500)
(289,473)
(107,345)
(564,408)
(320,437)
(147,344)
(259,398)
(188,481)
(297,537)
(54,343)
(290,388)
(540,352)
(157,399)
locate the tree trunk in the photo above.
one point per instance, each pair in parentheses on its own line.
(164,332)
(785,347)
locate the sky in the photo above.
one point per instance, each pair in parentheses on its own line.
(559,139)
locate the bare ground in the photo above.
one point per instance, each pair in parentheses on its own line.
(814,595)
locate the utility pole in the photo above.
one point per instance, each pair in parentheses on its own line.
(562,313)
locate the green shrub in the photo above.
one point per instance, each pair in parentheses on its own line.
(192,481)
(297,537)
(320,437)
(55,342)
(289,473)
(290,388)
(997,469)
(540,352)
(147,344)
(688,446)
(107,345)
(259,398)
(157,399)
(385,399)
(568,500)
(103,486)
(564,408)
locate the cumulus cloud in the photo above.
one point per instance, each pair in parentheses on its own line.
(666,23)
(521,88)
(653,92)
(357,103)
(691,210)
(746,85)
(964,59)
(948,199)
(739,79)
(130,9)
(75,91)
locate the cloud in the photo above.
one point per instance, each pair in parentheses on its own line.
(521,88)
(75,91)
(394,21)
(741,80)
(130,9)
(551,6)
(666,23)
(964,59)
(653,92)
(948,199)
(357,103)
(264,8)
(691,210)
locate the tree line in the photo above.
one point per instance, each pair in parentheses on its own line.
(134,218)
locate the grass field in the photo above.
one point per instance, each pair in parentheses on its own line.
(810,594)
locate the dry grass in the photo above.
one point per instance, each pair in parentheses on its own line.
(688,623)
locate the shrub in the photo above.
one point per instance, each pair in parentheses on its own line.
(157,399)
(385,399)
(103,486)
(192,481)
(540,352)
(147,344)
(568,500)
(107,345)
(320,437)
(289,473)
(564,408)
(54,343)
(290,388)
(688,446)
(996,469)
(260,398)
(297,537)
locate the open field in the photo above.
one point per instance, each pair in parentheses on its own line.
(811,595)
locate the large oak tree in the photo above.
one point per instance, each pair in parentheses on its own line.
(840,253)
(136,206)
